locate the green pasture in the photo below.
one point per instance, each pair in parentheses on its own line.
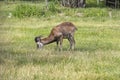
(96,55)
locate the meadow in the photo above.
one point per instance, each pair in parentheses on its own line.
(97,51)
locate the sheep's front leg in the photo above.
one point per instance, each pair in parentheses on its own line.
(57,43)
(61,41)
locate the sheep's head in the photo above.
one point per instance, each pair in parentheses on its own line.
(38,42)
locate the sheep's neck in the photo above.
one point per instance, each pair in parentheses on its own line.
(47,40)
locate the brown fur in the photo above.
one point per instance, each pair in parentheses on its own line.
(62,31)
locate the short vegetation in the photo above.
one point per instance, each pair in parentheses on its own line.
(96,55)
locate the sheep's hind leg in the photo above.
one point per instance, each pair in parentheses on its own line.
(72,42)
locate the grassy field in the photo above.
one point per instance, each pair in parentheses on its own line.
(96,56)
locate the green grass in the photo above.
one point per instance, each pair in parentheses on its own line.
(96,56)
